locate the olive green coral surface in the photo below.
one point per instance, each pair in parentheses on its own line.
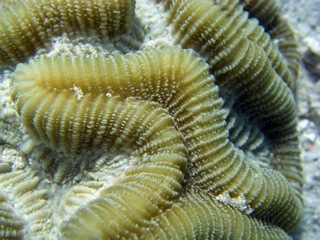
(148,120)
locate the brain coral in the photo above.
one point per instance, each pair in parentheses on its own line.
(148,120)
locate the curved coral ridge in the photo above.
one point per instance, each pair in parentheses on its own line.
(268,13)
(181,162)
(19,197)
(244,69)
(28,26)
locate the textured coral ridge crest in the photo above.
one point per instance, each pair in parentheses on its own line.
(135,133)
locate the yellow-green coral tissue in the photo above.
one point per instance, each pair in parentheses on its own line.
(148,120)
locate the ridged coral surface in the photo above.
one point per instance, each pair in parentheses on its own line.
(149,120)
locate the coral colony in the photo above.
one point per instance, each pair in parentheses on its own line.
(148,120)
